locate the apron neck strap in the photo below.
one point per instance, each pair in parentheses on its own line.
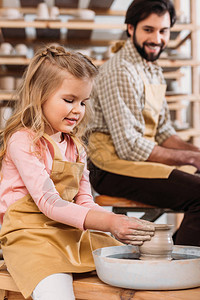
(57,152)
(79,146)
(144,77)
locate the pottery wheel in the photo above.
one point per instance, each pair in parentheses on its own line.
(119,266)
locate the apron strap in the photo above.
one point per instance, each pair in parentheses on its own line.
(144,77)
(79,146)
(57,152)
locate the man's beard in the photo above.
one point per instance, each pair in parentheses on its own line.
(147,56)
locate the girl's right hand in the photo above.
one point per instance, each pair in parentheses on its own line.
(130,230)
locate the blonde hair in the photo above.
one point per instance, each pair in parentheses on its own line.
(41,79)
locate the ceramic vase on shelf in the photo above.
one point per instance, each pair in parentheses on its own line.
(42,11)
(21,49)
(6,49)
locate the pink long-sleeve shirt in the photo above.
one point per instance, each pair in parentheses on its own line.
(24,172)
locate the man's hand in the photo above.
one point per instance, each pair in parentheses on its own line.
(176,152)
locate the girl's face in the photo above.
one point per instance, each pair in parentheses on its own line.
(66,107)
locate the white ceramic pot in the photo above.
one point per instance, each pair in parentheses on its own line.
(54,12)
(42,11)
(6,113)
(11,13)
(21,49)
(6,49)
(85,14)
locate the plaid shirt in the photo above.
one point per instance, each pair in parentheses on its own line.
(118,100)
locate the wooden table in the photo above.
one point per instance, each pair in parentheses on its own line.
(87,286)
(97,290)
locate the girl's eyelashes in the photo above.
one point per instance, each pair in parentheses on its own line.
(71,101)
(68,101)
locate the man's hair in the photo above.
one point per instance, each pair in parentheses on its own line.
(140,10)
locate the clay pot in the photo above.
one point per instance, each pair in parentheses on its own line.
(85,14)
(160,246)
(6,113)
(11,13)
(42,11)
(54,12)
(6,49)
(21,49)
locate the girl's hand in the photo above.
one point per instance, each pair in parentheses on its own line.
(130,230)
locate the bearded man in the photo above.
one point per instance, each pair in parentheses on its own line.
(134,152)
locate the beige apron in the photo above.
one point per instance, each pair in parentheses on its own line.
(35,246)
(102,152)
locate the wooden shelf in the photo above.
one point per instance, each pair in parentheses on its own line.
(59,24)
(6,96)
(14,60)
(173,75)
(178,42)
(181,27)
(188,133)
(162,62)
(181,97)
(23,24)
(72,11)
(168,63)
(76,25)
(178,63)
(32,41)
(176,105)
(26,61)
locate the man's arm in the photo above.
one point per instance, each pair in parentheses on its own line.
(174,151)
(175,142)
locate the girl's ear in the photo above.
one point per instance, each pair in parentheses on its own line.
(130,29)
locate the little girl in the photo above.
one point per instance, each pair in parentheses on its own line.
(46,207)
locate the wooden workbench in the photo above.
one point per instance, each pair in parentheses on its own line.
(87,286)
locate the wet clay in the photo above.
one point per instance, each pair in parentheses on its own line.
(160,246)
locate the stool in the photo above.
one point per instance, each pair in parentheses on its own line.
(123,206)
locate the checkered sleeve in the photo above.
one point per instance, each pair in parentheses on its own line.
(118,95)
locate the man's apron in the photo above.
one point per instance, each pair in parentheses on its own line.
(35,246)
(102,152)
